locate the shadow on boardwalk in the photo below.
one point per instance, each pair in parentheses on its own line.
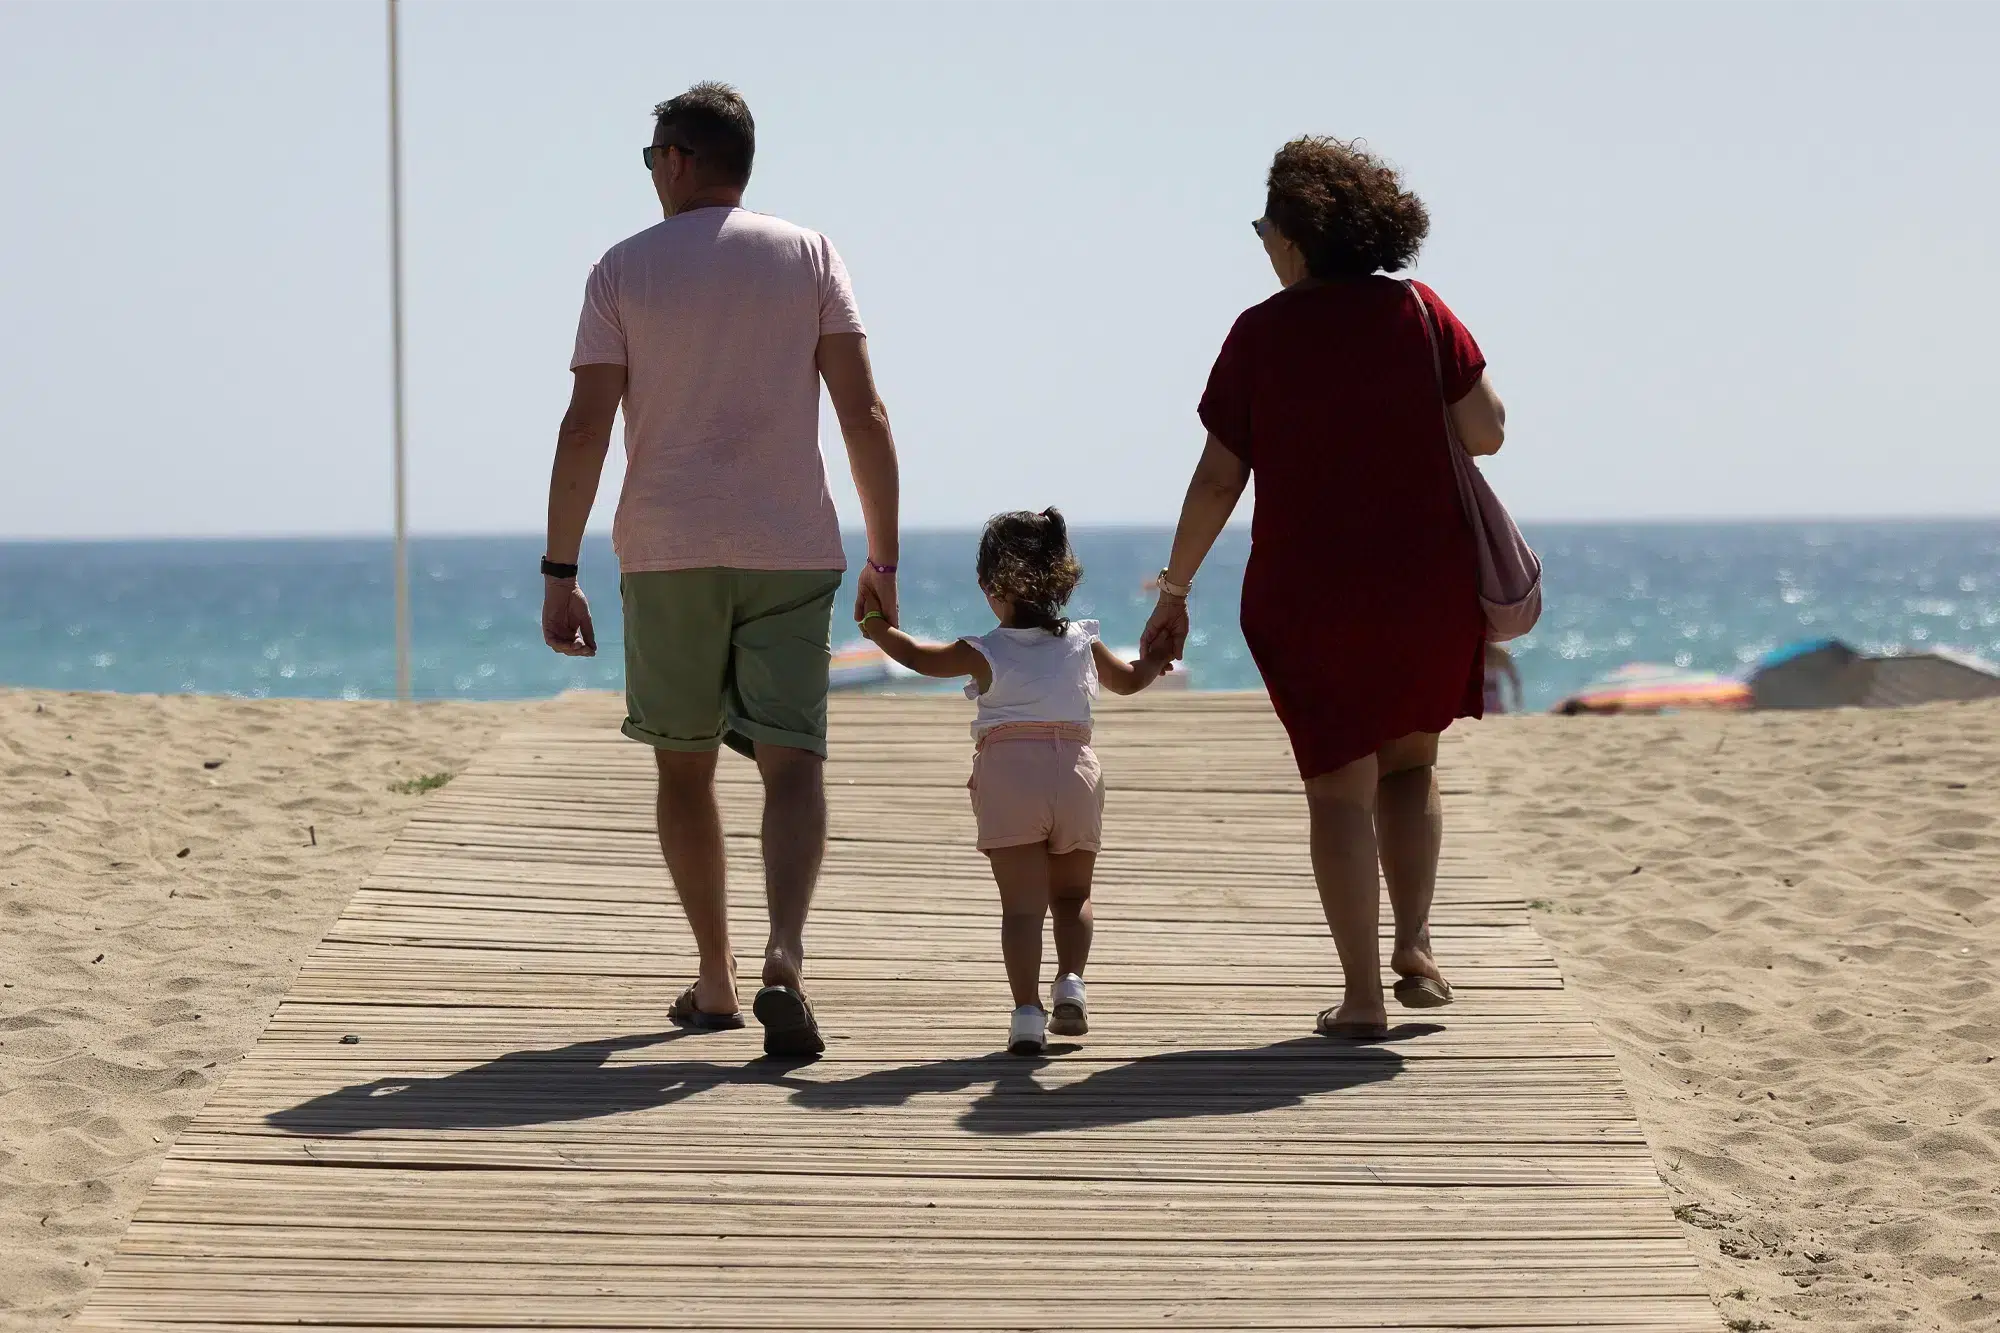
(577,1082)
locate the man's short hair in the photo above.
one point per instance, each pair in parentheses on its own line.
(710,121)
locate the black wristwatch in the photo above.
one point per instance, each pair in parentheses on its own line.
(556,571)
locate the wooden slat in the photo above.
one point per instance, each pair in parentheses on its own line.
(470,1112)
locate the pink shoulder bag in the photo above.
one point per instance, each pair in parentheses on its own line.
(1510,573)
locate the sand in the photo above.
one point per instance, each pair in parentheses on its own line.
(153,911)
(1787,925)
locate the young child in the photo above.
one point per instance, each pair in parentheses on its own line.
(1035,781)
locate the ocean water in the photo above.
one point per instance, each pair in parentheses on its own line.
(313,617)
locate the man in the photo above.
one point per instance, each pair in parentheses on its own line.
(714,329)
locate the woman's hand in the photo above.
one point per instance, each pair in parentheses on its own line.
(1167,631)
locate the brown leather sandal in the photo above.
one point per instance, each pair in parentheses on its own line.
(1347,1029)
(686,1013)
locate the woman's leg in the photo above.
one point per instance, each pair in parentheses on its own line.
(1409,830)
(1342,805)
(1069,903)
(1022,874)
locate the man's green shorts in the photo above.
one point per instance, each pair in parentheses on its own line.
(735,656)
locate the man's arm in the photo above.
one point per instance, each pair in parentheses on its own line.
(842,359)
(581,443)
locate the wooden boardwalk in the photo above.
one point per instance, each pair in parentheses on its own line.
(516,1136)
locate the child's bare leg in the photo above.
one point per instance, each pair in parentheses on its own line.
(1022,874)
(1069,904)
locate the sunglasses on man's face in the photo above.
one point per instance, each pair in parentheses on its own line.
(1262,226)
(650,149)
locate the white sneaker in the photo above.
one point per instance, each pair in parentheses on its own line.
(1028,1033)
(1068,1008)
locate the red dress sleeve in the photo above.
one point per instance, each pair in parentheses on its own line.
(1459,355)
(1225,403)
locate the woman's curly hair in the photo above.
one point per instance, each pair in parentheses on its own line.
(1345,208)
(1026,558)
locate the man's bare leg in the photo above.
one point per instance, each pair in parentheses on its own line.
(794,845)
(691,841)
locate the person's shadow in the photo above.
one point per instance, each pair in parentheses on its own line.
(532,1087)
(1170,1086)
(578,1082)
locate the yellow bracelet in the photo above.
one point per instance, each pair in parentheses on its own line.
(873,615)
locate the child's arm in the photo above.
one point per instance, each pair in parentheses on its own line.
(1122,677)
(939,660)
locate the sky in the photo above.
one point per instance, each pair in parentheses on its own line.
(1724,260)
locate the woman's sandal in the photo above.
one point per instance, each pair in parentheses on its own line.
(789,1025)
(686,1013)
(1348,1029)
(1423,993)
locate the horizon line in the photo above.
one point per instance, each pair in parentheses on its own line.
(472,534)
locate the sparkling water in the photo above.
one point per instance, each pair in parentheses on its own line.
(314,617)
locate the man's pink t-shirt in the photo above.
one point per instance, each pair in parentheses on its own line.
(715,315)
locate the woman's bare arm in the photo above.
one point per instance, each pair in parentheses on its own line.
(1218,483)
(940,661)
(1480,419)
(1122,677)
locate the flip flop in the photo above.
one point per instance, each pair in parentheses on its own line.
(1423,993)
(686,1013)
(789,1025)
(1348,1030)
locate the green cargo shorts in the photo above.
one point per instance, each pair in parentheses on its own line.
(728,656)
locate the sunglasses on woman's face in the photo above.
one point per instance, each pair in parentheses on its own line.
(650,149)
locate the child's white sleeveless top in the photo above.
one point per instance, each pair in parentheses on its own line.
(1037,676)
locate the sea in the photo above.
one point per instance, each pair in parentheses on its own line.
(313,618)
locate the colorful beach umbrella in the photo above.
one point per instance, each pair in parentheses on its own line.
(1645,687)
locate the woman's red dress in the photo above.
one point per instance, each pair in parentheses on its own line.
(1360,604)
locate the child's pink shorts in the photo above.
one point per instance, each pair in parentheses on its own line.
(1038,782)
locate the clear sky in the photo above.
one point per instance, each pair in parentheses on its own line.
(1725,260)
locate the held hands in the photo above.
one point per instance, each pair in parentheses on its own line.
(875,591)
(1167,631)
(874,626)
(566,619)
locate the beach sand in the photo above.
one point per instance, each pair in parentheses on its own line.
(152,912)
(1787,926)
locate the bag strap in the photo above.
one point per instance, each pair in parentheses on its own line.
(1461,462)
(1437,362)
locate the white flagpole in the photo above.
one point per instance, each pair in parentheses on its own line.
(396,341)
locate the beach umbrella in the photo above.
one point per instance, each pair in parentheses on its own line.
(1646,687)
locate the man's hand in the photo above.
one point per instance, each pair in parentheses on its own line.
(566,619)
(875,591)
(1167,631)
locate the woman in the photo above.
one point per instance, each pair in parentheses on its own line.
(1360,603)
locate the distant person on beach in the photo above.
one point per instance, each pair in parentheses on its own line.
(714,329)
(1036,787)
(1501,675)
(1360,603)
